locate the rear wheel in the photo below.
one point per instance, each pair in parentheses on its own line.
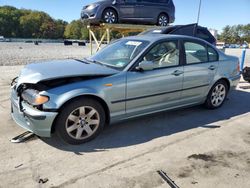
(80,121)
(163,20)
(217,95)
(109,16)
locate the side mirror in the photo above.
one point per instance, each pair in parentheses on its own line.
(145,66)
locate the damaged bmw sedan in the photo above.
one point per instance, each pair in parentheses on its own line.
(131,77)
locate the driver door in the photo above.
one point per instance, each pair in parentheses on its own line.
(159,88)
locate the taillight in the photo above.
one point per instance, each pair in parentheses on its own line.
(238,67)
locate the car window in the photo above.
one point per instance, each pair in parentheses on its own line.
(165,54)
(212,54)
(195,53)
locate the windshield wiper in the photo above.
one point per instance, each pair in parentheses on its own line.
(100,63)
(94,61)
(81,61)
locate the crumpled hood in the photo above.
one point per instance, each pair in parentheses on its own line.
(37,72)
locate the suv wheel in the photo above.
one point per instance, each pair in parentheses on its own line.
(109,16)
(217,95)
(80,121)
(163,20)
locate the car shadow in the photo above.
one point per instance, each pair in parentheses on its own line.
(147,128)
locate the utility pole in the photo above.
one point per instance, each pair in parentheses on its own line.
(199,12)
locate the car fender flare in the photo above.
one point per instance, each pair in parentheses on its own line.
(72,94)
(218,79)
(80,93)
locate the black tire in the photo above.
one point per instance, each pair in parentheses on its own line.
(163,20)
(83,125)
(109,16)
(213,96)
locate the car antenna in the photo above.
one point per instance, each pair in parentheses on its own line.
(199,12)
(198,19)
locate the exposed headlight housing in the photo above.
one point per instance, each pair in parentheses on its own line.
(92,6)
(34,98)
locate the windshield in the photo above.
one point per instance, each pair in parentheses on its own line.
(120,53)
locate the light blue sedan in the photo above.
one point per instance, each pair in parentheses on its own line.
(131,77)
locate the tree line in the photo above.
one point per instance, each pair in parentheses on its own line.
(23,23)
(236,34)
(29,24)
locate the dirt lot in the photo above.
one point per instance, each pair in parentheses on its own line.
(195,147)
(24,53)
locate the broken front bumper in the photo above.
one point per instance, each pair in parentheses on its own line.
(31,119)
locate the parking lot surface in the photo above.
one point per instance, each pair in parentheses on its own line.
(196,147)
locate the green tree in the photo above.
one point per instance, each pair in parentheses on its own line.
(236,34)
(226,34)
(76,30)
(9,21)
(29,24)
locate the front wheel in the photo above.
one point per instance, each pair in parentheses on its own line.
(80,121)
(217,95)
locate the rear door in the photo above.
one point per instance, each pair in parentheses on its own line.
(148,9)
(199,70)
(157,89)
(127,9)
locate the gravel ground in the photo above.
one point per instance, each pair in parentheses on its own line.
(23,53)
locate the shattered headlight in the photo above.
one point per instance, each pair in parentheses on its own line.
(34,98)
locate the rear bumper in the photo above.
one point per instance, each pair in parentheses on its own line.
(31,119)
(234,81)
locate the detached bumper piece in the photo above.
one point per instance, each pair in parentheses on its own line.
(23,137)
(167,179)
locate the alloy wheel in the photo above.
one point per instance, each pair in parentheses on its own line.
(109,17)
(82,123)
(163,20)
(218,95)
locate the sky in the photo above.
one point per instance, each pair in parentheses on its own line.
(215,14)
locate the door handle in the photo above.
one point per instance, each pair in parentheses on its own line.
(212,67)
(177,73)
